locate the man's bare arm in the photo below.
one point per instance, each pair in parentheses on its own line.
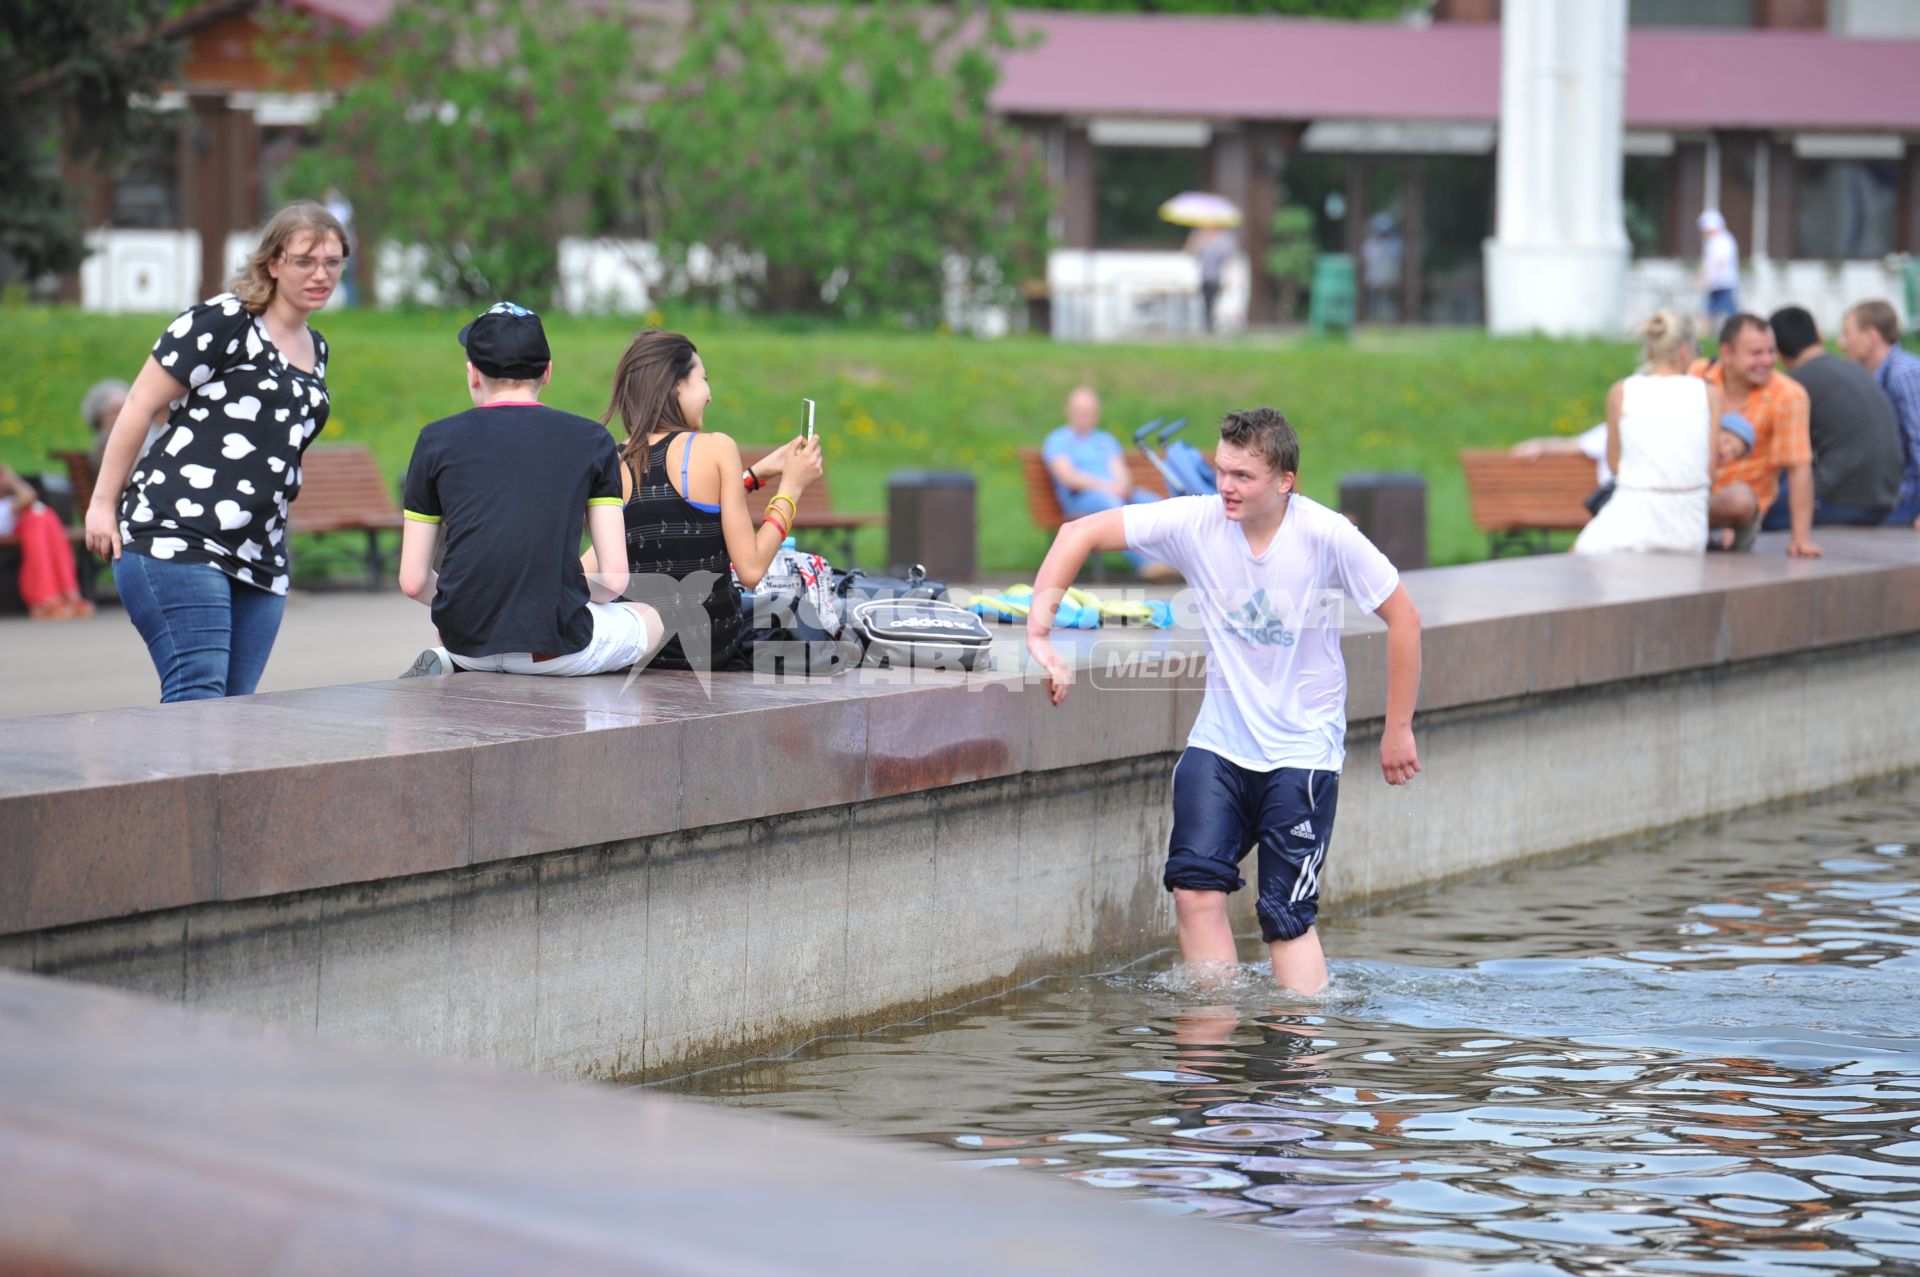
(1105,531)
(1399,759)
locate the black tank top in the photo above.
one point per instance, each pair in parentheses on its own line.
(678,557)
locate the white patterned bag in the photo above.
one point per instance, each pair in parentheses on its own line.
(807,577)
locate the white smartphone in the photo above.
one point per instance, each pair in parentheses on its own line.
(809,404)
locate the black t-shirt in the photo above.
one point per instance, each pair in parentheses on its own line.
(217,482)
(1857,458)
(509,486)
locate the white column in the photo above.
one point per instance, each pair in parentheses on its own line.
(1558,261)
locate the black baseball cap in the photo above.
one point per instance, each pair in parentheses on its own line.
(507,343)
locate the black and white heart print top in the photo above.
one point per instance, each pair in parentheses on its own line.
(216,484)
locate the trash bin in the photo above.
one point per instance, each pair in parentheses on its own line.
(930,521)
(1331,305)
(1392,510)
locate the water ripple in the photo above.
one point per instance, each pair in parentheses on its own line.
(1697,1057)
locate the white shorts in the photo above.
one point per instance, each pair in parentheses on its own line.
(619,639)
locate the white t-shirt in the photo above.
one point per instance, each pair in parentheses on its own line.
(1593,443)
(1276,684)
(1721,263)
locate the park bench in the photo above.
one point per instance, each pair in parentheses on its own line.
(342,490)
(816,511)
(1517,501)
(1043,502)
(79,476)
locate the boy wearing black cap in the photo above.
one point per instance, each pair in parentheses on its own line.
(507,482)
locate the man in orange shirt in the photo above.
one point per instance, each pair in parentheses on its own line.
(1777,407)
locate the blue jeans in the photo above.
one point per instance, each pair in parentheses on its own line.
(1903,516)
(208,635)
(1780,518)
(1087,501)
(1722,304)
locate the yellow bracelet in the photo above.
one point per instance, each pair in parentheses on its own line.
(793,511)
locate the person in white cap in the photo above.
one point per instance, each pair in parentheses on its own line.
(1719,277)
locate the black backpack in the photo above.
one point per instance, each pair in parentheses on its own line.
(856,586)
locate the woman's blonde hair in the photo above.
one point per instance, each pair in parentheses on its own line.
(1668,338)
(251,283)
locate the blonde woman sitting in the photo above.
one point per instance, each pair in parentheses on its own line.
(1660,426)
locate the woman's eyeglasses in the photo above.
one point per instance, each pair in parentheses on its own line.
(307,265)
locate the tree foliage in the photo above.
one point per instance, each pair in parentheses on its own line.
(1290,254)
(74,66)
(479,132)
(850,154)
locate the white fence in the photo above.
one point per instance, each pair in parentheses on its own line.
(1096,295)
(1119,296)
(1826,289)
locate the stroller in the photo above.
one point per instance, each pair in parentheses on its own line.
(1183,466)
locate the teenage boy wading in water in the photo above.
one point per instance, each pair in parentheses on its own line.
(1271,570)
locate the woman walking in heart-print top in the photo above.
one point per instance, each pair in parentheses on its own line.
(197,527)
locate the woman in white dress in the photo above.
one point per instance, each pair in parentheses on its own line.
(1660,445)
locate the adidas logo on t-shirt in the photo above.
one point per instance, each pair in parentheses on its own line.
(1302,830)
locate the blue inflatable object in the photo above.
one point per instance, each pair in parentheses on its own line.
(1187,471)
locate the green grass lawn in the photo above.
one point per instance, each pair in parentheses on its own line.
(1404,401)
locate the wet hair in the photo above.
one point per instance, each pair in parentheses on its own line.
(1794,331)
(1264,431)
(1881,317)
(1731,330)
(1667,337)
(252,284)
(650,371)
(98,396)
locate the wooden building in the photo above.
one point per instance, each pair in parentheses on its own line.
(1798,119)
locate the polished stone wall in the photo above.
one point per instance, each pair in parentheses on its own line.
(589,878)
(137,1140)
(648,956)
(651,955)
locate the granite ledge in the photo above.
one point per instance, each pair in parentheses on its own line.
(264,795)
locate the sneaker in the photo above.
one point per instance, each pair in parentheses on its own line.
(1745,535)
(435,660)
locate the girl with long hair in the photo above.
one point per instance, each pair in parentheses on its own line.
(686,503)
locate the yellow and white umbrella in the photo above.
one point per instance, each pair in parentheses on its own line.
(1200,208)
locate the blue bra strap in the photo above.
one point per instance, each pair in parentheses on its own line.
(686,493)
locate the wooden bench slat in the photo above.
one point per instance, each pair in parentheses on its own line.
(1043,502)
(1514,494)
(342,490)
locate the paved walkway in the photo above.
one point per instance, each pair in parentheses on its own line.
(327,638)
(60,667)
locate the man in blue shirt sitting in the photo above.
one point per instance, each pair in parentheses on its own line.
(1870,334)
(1089,469)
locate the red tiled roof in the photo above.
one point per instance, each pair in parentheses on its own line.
(1293,69)
(1259,68)
(1771,79)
